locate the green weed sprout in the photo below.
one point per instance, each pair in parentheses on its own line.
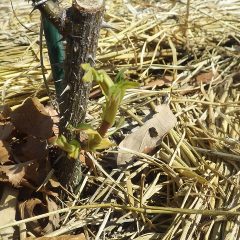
(114,92)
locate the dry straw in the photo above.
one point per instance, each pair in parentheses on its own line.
(190,188)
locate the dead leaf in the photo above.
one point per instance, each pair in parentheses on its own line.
(8,204)
(31,118)
(37,172)
(159,82)
(30,208)
(236,78)
(14,174)
(54,219)
(5,112)
(54,115)
(34,207)
(6,130)
(4,155)
(148,136)
(35,150)
(54,182)
(206,77)
(63,237)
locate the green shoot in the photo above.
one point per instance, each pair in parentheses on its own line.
(114,93)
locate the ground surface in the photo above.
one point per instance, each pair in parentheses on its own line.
(184,55)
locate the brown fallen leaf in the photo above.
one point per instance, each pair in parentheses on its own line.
(55,117)
(37,172)
(236,78)
(34,207)
(54,182)
(6,130)
(63,237)
(54,219)
(4,154)
(14,174)
(148,136)
(206,77)
(8,204)
(35,150)
(31,118)
(159,82)
(5,112)
(30,208)
(50,186)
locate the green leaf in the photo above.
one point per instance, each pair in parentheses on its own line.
(72,148)
(116,94)
(95,141)
(86,66)
(103,144)
(61,141)
(74,154)
(105,82)
(88,76)
(120,76)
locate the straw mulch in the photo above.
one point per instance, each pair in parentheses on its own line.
(182,52)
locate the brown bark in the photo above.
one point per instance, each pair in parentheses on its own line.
(80,26)
(84,26)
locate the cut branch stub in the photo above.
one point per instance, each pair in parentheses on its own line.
(82,38)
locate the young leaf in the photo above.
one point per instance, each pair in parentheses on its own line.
(120,76)
(95,141)
(105,82)
(116,94)
(72,148)
(103,144)
(88,76)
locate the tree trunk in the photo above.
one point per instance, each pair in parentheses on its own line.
(80,26)
(85,24)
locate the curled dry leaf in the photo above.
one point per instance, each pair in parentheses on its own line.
(30,208)
(5,112)
(8,204)
(14,174)
(54,219)
(31,118)
(34,207)
(35,150)
(6,130)
(54,182)
(4,155)
(148,136)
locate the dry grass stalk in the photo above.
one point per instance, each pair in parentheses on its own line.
(195,169)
